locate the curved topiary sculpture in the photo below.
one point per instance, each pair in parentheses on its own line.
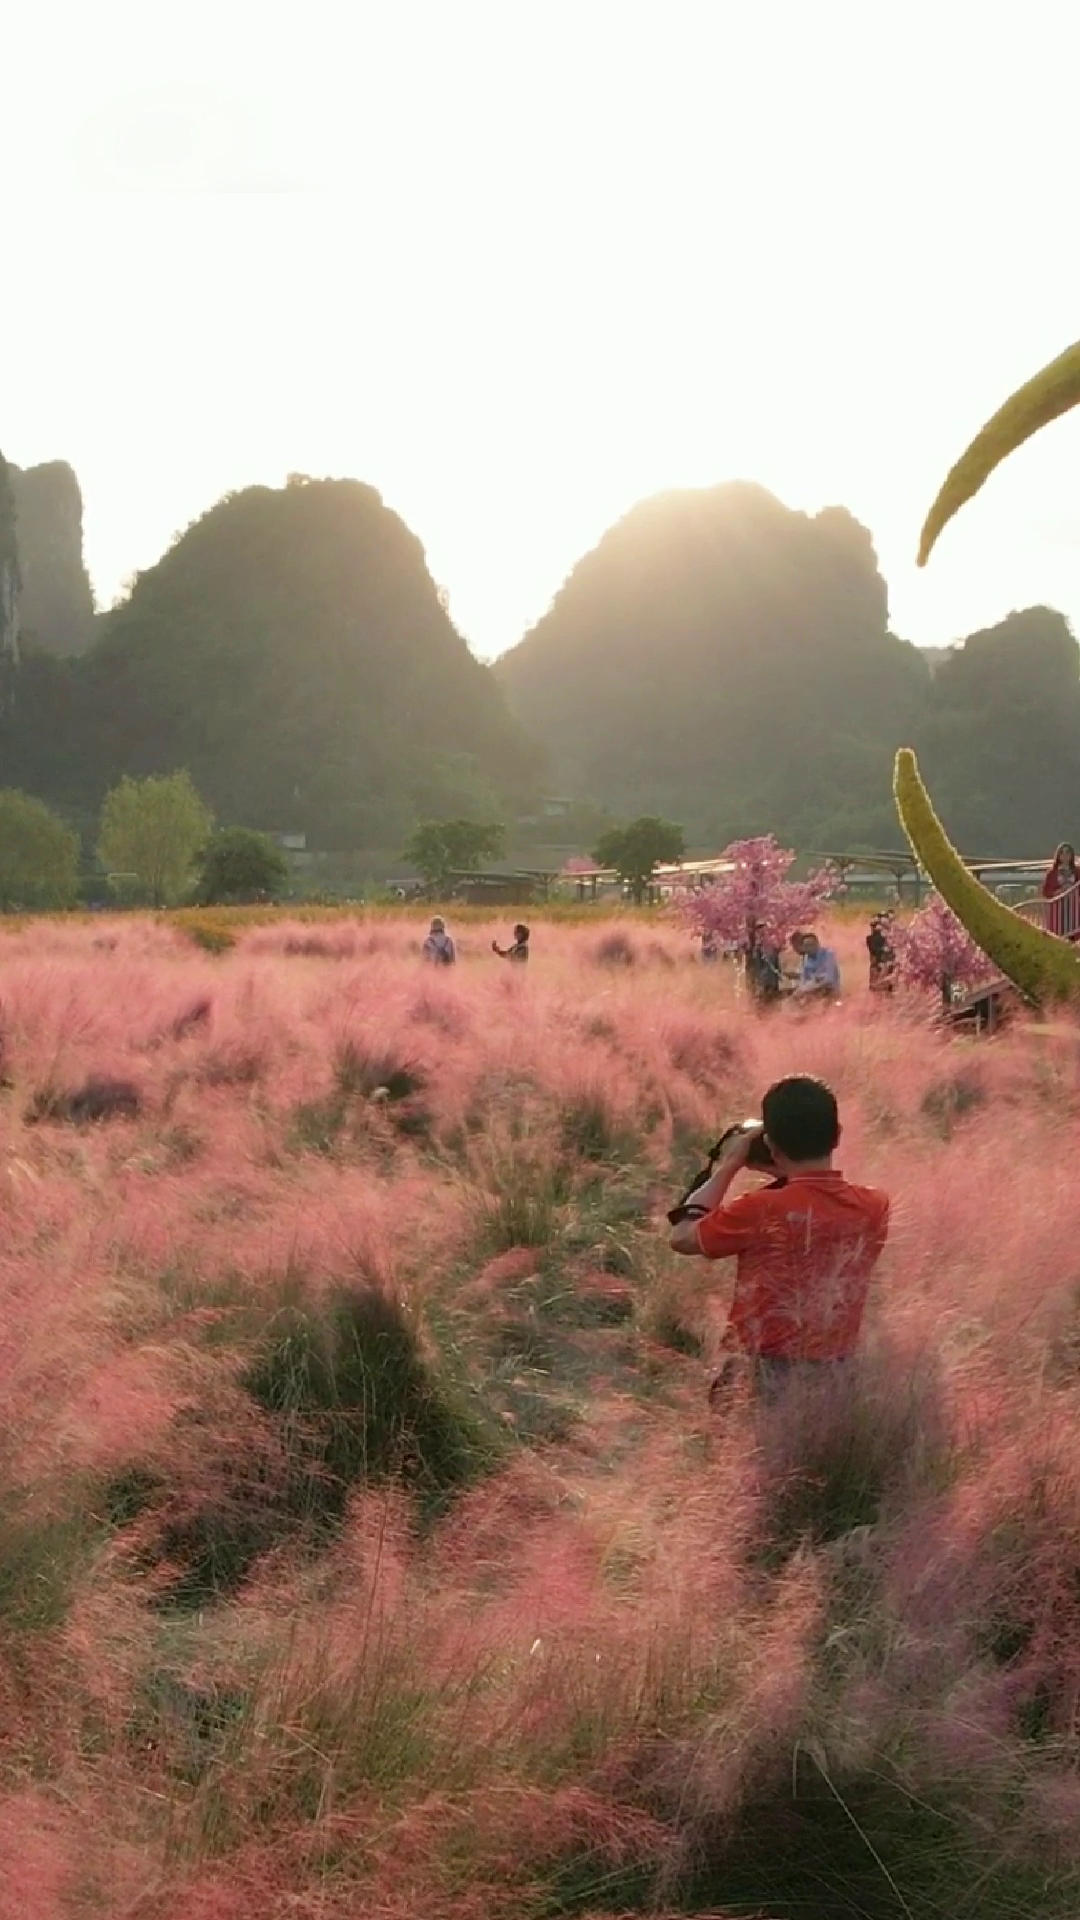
(1046,397)
(1038,963)
(1041,965)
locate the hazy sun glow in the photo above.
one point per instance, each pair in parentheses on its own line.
(518,265)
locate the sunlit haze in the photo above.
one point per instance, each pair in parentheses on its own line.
(518,266)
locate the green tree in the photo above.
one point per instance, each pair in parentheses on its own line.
(440,848)
(153,830)
(39,856)
(635,851)
(237,865)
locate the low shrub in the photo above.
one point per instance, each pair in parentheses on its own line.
(360,1401)
(616,949)
(521,1202)
(361,1071)
(316,1126)
(194,1017)
(587,1125)
(211,936)
(98,1099)
(953,1098)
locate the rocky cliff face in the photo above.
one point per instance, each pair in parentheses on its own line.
(56,609)
(9,572)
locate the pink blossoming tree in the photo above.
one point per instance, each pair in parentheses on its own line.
(935,953)
(757,893)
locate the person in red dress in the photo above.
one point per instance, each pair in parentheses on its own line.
(1061,889)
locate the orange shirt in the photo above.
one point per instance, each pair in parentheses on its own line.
(806,1252)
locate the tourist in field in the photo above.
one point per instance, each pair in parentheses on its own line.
(1061,889)
(439,949)
(519,952)
(806,1245)
(763,967)
(819,972)
(882,957)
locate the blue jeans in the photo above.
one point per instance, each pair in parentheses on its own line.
(773,1377)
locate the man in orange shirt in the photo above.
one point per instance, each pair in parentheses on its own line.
(806,1246)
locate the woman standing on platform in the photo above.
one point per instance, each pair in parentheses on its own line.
(1061,889)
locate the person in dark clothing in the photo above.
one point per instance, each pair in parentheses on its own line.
(520,949)
(439,949)
(1061,889)
(882,957)
(764,971)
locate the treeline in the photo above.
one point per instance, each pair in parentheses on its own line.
(727,662)
(156,845)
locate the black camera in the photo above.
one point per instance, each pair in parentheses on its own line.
(758,1160)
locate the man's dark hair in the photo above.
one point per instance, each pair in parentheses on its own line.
(801,1118)
(521,933)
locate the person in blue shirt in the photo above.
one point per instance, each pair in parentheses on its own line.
(819,974)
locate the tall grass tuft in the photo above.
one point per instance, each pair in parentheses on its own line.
(358,1401)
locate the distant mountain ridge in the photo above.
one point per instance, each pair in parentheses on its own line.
(696,662)
(716,657)
(292,651)
(727,661)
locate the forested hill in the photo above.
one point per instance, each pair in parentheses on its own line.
(293,652)
(726,661)
(717,658)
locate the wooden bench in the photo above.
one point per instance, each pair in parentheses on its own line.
(985,1008)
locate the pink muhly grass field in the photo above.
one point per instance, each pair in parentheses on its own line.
(366,1545)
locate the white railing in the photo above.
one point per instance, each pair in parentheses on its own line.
(1060,915)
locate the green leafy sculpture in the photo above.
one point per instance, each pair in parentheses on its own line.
(1040,964)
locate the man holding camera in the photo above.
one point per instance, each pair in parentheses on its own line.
(806,1245)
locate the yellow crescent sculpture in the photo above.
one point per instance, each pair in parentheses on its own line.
(1050,394)
(1042,966)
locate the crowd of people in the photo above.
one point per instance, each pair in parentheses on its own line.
(816,976)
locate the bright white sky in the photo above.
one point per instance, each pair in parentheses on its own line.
(518,263)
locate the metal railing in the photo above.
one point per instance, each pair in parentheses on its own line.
(1060,915)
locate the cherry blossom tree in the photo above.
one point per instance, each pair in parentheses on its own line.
(757,893)
(935,952)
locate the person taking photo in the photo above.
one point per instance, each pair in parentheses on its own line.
(519,951)
(806,1246)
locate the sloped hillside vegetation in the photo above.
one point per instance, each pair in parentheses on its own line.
(293,653)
